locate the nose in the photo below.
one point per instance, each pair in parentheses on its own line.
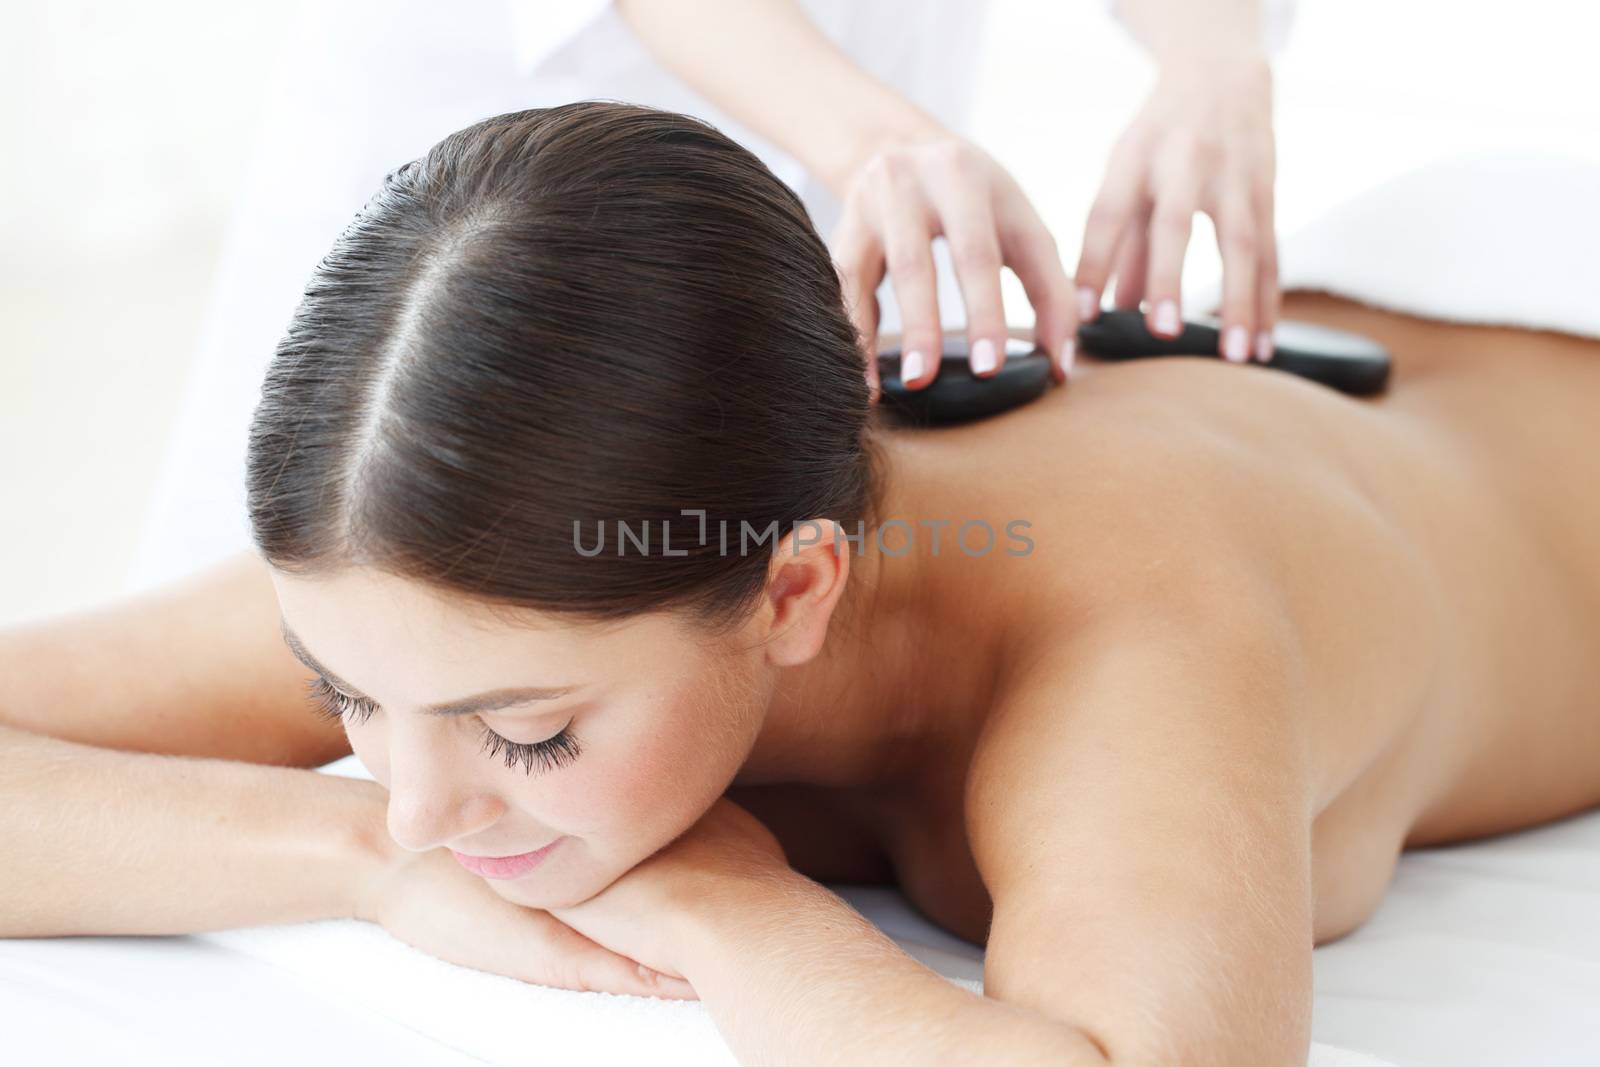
(432,800)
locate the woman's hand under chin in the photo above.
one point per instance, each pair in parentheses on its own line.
(640,914)
(431,902)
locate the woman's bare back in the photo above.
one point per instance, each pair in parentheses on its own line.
(1495,452)
(1431,546)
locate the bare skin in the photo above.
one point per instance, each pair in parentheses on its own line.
(1431,556)
(1444,722)
(1266,638)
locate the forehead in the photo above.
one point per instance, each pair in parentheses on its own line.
(363,622)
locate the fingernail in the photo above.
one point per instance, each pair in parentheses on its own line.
(1236,344)
(1088,303)
(1264,346)
(1167,317)
(1069,349)
(983,356)
(911,366)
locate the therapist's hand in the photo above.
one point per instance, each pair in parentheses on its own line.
(909,192)
(1202,142)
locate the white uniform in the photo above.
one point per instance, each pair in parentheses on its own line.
(366,85)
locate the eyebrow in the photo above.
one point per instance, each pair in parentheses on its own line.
(493,700)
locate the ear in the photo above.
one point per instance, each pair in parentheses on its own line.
(804,582)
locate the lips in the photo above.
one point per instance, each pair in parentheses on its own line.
(505,866)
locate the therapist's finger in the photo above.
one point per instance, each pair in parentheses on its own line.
(1113,210)
(1268,295)
(1133,262)
(861,267)
(1171,222)
(908,252)
(1036,261)
(969,226)
(1237,241)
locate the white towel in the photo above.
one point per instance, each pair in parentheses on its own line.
(507,1022)
(1505,238)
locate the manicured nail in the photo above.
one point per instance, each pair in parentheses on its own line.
(1167,318)
(983,356)
(1264,346)
(1088,304)
(1236,344)
(911,366)
(1069,349)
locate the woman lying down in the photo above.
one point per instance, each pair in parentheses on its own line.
(577,520)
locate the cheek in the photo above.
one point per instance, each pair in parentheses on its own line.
(677,773)
(621,788)
(653,782)
(648,784)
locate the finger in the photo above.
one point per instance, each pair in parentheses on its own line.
(908,253)
(1114,208)
(599,970)
(566,959)
(861,268)
(1133,263)
(1269,297)
(666,986)
(969,225)
(1236,240)
(1171,222)
(1036,261)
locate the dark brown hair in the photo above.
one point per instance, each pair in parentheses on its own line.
(586,313)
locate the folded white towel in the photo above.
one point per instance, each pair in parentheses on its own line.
(1506,238)
(505,1021)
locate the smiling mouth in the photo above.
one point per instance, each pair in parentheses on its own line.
(505,866)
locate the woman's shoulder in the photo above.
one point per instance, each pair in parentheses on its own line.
(1132,468)
(1178,504)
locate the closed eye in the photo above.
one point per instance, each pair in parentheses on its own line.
(551,753)
(557,751)
(337,706)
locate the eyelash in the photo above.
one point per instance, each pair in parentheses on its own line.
(554,752)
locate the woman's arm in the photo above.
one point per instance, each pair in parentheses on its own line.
(792,974)
(124,807)
(1140,809)
(96,841)
(197,668)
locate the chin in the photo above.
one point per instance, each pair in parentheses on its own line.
(526,896)
(531,893)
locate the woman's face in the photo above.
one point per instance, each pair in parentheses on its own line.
(658,717)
